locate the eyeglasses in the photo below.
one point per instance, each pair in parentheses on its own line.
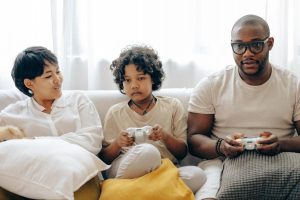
(255,47)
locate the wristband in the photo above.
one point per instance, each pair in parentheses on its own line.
(218,145)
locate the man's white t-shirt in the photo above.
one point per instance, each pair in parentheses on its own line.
(238,107)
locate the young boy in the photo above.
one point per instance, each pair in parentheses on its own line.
(138,72)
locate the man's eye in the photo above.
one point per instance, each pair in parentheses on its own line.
(240,45)
(141,78)
(256,44)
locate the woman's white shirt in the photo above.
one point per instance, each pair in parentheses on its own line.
(73,118)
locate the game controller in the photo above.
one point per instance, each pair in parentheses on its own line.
(249,143)
(139,134)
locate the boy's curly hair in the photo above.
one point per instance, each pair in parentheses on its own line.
(145,58)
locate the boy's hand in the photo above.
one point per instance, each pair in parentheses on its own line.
(123,140)
(157,133)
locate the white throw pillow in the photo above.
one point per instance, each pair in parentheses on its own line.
(46,168)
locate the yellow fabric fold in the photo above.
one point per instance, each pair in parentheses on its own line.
(163,183)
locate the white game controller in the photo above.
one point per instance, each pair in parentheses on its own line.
(249,143)
(140,135)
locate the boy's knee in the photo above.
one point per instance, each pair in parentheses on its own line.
(150,152)
(141,159)
(193,176)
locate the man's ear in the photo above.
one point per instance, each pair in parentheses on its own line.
(270,43)
(28,83)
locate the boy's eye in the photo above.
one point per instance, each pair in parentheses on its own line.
(141,78)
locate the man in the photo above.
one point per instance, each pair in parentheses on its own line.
(253,99)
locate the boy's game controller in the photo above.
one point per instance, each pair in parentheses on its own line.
(139,134)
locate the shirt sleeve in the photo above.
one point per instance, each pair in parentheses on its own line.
(111,127)
(88,134)
(179,121)
(201,98)
(297,105)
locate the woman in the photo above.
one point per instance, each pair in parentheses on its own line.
(48,112)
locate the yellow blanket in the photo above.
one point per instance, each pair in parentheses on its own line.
(163,183)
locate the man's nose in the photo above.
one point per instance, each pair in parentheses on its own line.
(248,51)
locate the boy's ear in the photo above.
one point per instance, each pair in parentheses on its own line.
(28,83)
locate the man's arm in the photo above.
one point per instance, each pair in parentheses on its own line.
(199,133)
(291,144)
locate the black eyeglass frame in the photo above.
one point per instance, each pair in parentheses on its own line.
(247,45)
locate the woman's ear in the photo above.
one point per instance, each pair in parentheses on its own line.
(28,83)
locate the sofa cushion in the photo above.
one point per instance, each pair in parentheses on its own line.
(161,184)
(46,168)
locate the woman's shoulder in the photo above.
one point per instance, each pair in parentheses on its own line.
(74,94)
(17,106)
(74,97)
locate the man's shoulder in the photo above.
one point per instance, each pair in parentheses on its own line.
(225,73)
(285,75)
(283,71)
(217,79)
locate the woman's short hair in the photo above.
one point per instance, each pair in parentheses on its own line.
(29,64)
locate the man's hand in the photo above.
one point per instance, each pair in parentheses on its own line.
(230,147)
(268,144)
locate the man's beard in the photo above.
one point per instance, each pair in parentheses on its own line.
(261,67)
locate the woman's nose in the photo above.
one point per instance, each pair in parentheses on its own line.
(57,78)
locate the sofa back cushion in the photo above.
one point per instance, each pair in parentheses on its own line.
(103,99)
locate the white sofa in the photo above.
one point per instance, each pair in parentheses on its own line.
(103,99)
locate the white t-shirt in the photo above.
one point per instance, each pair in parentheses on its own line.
(167,112)
(238,107)
(73,118)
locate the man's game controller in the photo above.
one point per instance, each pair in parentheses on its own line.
(249,143)
(139,134)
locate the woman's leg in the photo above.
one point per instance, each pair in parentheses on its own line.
(90,190)
(6,195)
